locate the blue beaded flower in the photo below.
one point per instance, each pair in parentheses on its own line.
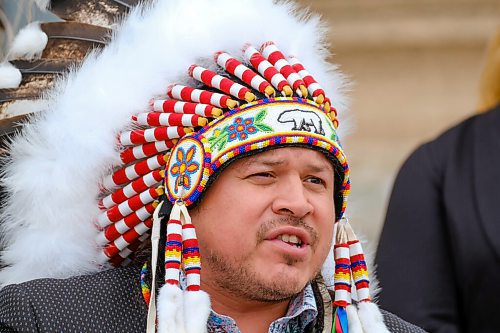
(241,129)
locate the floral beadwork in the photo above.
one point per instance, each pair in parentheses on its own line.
(184,167)
(240,130)
(333,136)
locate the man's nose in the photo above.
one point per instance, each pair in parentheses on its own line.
(291,199)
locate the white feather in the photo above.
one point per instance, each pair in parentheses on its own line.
(28,43)
(25,106)
(371,318)
(43,4)
(52,177)
(10,76)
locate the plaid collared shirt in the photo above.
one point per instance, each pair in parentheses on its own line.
(301,311)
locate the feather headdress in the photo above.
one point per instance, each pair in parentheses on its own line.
(82,177)
(58,162)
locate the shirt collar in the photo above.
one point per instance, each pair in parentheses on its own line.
(301,311)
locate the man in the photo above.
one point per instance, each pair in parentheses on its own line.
(254,179)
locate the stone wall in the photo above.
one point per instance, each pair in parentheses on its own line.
(415,67)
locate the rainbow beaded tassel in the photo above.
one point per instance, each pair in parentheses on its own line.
(182,311)
(170,314)
(146,290)
(173,250)
(191,257)
(342,284)
(357,264)
(346,317)
(342,277)
(368,315)
(359,271)
(196,301)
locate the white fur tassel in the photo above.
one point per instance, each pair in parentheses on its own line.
(196,311)
(170,310)
(182,311)
(353,322)
(29,43)
(371,318)
(10,76)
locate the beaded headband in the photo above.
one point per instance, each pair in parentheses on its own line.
(255,126)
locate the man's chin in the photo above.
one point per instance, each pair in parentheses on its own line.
(286,282)
(268,279)
(276,293)
(275,287)
(291,271)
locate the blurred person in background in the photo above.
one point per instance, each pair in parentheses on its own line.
(439,253)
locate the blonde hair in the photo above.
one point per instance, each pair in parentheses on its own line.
(489,85)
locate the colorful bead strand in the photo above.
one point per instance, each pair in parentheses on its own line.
(359,271)
(191,257)
(173,252)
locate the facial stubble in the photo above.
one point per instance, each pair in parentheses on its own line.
(236,276)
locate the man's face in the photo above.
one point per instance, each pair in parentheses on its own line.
(265,225)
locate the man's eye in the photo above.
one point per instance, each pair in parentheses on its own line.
(316,180)
(262,174)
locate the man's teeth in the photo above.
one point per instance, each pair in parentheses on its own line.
(292,239)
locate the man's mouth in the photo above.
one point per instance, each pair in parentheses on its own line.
(291,240)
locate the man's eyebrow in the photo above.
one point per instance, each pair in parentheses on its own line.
(314,167)
(320,167)
(263,161)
